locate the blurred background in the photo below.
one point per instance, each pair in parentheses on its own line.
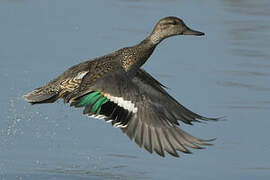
(225,73)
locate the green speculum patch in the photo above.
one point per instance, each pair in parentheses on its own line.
(95,100)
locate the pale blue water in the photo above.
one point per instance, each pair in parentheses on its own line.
(226,72)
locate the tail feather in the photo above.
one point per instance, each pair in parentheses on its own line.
(39,96)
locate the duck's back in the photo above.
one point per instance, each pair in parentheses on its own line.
(71,79)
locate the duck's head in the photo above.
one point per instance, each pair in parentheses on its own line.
(171,26)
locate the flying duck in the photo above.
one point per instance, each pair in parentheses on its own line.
(115,88)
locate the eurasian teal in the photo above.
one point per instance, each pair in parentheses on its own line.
(114,88)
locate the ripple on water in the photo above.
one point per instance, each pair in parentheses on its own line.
(242,85)
(99,173)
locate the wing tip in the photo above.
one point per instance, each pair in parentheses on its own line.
(212,119)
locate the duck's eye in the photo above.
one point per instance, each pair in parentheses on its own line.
(174,22)
(171,23)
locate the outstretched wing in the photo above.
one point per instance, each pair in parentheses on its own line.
(142,108)
(159,95)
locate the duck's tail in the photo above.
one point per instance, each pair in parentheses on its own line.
(42,95)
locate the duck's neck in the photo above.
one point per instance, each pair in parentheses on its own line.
(134,57)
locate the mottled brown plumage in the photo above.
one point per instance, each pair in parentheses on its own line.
(114,88)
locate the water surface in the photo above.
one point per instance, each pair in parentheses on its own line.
(225,73)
